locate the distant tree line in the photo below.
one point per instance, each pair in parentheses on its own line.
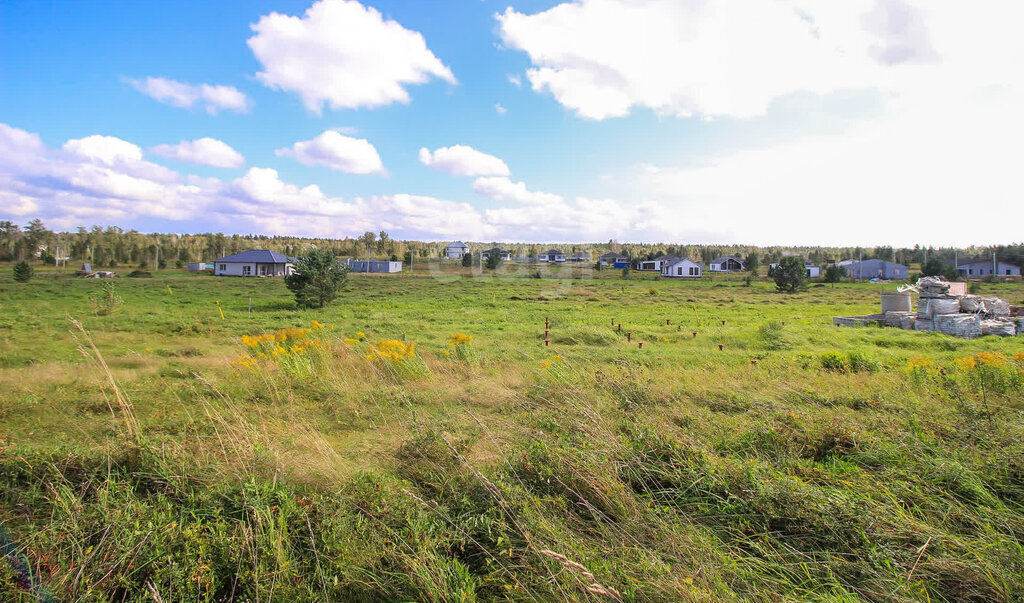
(113,246)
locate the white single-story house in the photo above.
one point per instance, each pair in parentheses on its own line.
(682,268)
(729,263)
(614,259)
(504,255)
(199,266)
(984,266)
(374,265)
(657,263)
(551,255)
(254,262)
(455,251)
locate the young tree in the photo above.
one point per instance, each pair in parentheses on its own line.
(317,278)
(493,261)
(467,260)
(22,272)
(935,267)
(753,261)
(790,274)
(834,274)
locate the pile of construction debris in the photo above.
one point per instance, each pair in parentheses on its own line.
(947,308)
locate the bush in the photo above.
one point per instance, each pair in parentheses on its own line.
(493,261)
(317,279)
(790,274)
(852,362)
(835,362)
(772,336)
(834,274)
(140,274)
(106,300)
(23,272)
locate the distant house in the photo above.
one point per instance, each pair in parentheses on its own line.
(657,263)
(373,265)
(551,255)
(729,263)
(504,255)
(254,262)
(681,268)
(199,266)
(984,266)
(455,251)
(580,257)
(616,260)
(874,269)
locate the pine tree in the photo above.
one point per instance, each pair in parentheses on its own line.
(23,272)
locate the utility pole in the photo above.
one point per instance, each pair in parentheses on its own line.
(995,268)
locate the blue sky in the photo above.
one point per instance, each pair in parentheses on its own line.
(792,122)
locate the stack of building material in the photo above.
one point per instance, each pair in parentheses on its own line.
(946,308)
(972,304)
(939,309)
(996,307)
(1002,328)
(965,326)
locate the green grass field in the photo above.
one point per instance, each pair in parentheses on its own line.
(152,455)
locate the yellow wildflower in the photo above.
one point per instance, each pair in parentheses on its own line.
(965,364)
(460,339)
(919,362)
(991,359)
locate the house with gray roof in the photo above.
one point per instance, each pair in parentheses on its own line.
(497,251)
(254,262)
(455,251)
(617,260)
(729,263)
(657,263)
(551,255)
(682,268)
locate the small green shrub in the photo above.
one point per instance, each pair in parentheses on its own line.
(773,336)
(106,300)
(835,362)
(23,272)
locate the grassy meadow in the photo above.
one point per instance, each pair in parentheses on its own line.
(192,438)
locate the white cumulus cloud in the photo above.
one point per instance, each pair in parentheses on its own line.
(106,149)
(338,152)
(211,97)
(501,188)
(463,160)
(205,151)
(602,58)
(343,54)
